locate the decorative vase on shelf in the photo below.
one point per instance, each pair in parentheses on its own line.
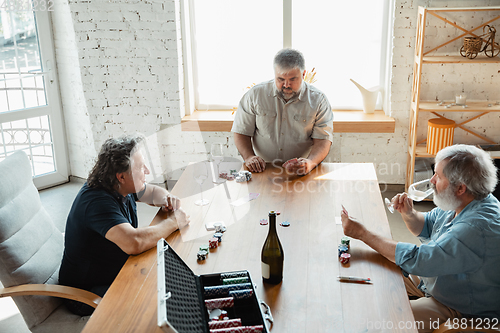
(369,97)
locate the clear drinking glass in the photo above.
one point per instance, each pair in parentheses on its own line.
(417,192)
(217,156)
(200,175)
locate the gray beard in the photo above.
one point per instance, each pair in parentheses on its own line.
(446,200)
(288,96)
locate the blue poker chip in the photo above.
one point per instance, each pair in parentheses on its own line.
(285,224)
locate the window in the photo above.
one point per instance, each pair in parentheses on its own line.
(30,109)
(233,44)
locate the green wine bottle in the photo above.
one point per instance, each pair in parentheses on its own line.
(272,256)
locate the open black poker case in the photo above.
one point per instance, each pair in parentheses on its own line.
(181,297)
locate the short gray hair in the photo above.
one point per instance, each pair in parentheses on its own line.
(288,59)
(470,166)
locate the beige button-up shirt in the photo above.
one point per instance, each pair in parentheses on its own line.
(283,130)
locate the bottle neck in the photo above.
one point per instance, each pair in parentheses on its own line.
(272,223)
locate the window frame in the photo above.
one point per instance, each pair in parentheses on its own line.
(53,109)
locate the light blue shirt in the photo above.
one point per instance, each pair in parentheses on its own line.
(459,259)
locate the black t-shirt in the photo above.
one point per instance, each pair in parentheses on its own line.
(89,259)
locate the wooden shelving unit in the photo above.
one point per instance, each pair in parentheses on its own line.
(417,148)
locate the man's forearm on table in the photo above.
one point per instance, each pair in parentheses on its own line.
(319,151)
(137,240)
(384,246)
(244,145)
(148,236)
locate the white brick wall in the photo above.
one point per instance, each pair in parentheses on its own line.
(121,71)
(125,57)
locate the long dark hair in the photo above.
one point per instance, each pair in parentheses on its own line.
(113,158)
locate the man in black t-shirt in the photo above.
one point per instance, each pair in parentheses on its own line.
(102,227)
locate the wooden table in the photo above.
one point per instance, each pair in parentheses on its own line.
(310,298)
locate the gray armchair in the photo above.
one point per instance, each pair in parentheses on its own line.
(31,249)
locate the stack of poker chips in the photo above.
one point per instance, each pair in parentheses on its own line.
(343,249)
(219,303)
(219,227)
(236,287)
(202,255)
(223,290)
(247,175)
(230,275)
(218,324)
(218,235)
(346,241)
(243,176)
(203,252)
(235,280)
(241,329)
(241,294)
(213,243)
(232,175)
(344,256)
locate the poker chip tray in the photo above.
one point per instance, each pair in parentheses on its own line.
(181,298)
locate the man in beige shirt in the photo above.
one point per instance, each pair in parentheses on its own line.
(284,120)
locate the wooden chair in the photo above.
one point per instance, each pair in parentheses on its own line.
(31,249)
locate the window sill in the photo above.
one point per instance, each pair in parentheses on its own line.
(360,122)
(343,122)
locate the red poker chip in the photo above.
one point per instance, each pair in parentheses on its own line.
(264,222)
(344,258)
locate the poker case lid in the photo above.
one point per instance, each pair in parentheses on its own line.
(181,302)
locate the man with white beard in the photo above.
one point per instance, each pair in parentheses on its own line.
(454,275)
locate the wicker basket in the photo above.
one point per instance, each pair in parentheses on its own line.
(472,44)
